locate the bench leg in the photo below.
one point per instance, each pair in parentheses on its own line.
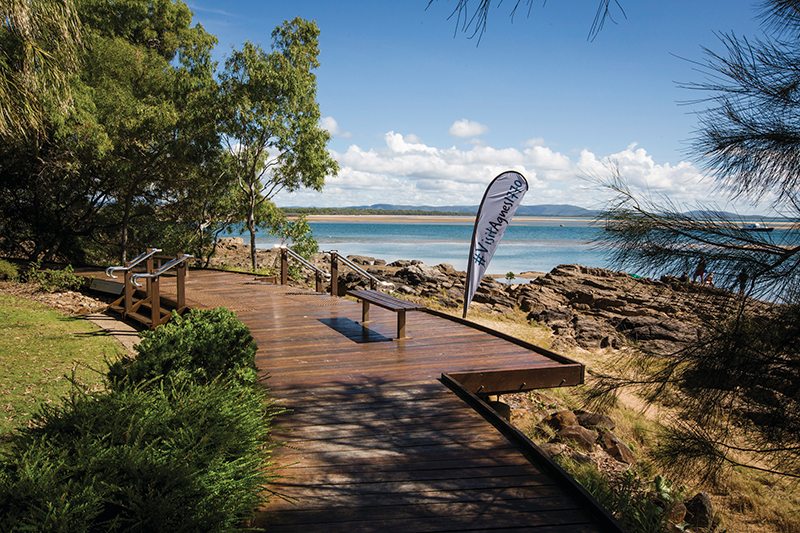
(401,324)
(364,312)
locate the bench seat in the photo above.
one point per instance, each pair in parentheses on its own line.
(387,301)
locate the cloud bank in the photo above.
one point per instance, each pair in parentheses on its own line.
(406,171)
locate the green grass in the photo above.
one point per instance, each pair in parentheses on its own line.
(40,350)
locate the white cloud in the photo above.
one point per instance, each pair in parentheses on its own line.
(407,171)
(330,124)
(536,141)
(466,128)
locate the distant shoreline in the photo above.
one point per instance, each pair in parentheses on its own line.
(470,219)
(431,219)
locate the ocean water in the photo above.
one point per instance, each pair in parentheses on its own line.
(529,244)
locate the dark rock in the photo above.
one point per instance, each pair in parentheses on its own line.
(558,316)
(361,260)
(420,273)
(561,419)
(553,449)
(590,333)
(608,342)
(677,513)
(699,510)
(616,448)
(447,302)
(594,420)
(584,438)
(648,329)
(447,269)
(405,289)
(582,458)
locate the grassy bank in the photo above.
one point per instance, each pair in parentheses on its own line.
(174,439)
(41,349)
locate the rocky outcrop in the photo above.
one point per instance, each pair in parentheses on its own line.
(587,438)
(586,307)
(589,308)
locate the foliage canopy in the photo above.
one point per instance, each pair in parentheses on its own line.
(141,148)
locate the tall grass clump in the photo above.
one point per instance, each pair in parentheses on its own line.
(641,506)
(8,271)
(182,451)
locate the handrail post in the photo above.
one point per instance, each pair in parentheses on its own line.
(181,282)
(150,269)
(155,303)
(318,276)
(284,266)
(334,273)
(128,288)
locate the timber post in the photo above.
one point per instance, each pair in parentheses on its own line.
(180,283)
(284,267)
(334,273)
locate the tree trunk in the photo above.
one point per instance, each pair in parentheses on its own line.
(251,226)
(126,218)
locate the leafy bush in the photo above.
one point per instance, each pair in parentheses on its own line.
(54,280)
(8,271)
(628,497)
(201,346)
(175,457)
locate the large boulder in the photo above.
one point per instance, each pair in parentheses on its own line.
(421,273)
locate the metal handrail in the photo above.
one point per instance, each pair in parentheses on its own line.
(361,271)
(141,257)
(302,260)
(161,270)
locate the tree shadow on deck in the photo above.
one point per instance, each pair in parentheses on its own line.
(384,456)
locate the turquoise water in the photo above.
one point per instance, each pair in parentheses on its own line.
(529,244)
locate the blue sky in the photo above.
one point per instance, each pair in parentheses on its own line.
(421,116)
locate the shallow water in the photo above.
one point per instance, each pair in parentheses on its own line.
(529,244)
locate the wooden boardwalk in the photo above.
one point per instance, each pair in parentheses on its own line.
(375,440)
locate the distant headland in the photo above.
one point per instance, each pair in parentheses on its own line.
(549,210)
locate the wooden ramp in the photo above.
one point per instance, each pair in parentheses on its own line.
(375,439)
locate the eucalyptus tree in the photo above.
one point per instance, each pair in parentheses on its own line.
(739,381)
(270,121)
(145,100)
(138,127)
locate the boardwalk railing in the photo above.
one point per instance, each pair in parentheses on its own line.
(126,302)
(287,252)
(128,306)
(373,281)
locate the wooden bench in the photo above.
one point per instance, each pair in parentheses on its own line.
(387,301)
(105,286)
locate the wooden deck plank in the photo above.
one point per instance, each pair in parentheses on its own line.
(375,442)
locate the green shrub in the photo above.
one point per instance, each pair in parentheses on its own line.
(628,497)
(201,345)
(8,271)
(54,280)
(175,457)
